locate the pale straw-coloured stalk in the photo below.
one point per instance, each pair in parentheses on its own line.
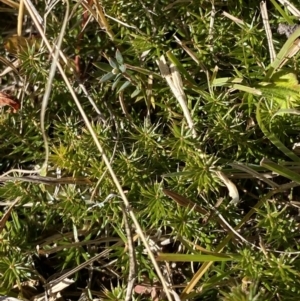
(265,18)
(174,81)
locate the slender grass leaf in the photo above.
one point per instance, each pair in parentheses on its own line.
(103,66)
(196,257)
(281,170)
(225,81)
(286,111)
(282,12)
(179,66)
(247,89)
(272,137)
(143,71)
(178,174)
(254,173)
(281,56)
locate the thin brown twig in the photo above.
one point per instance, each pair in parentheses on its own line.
(83,265)
(47,180)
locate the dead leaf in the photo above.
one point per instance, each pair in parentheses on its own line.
(7,298)
(233,192)
(14,44)
(53,293)
(7,100)
(6,215)
(141,289)
(147,290)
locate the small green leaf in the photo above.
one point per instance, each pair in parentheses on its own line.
(119,57)
(122,68)
(135,93)
(281,170)
(103,66)
(271,136)
(107,77)
(113,63)
(225,81)
(124,86)
(247,89)
(117,80)
(284,78)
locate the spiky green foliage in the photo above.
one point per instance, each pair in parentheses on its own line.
(240,114)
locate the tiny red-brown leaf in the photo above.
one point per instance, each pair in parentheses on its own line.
(141,289)
(7,100)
